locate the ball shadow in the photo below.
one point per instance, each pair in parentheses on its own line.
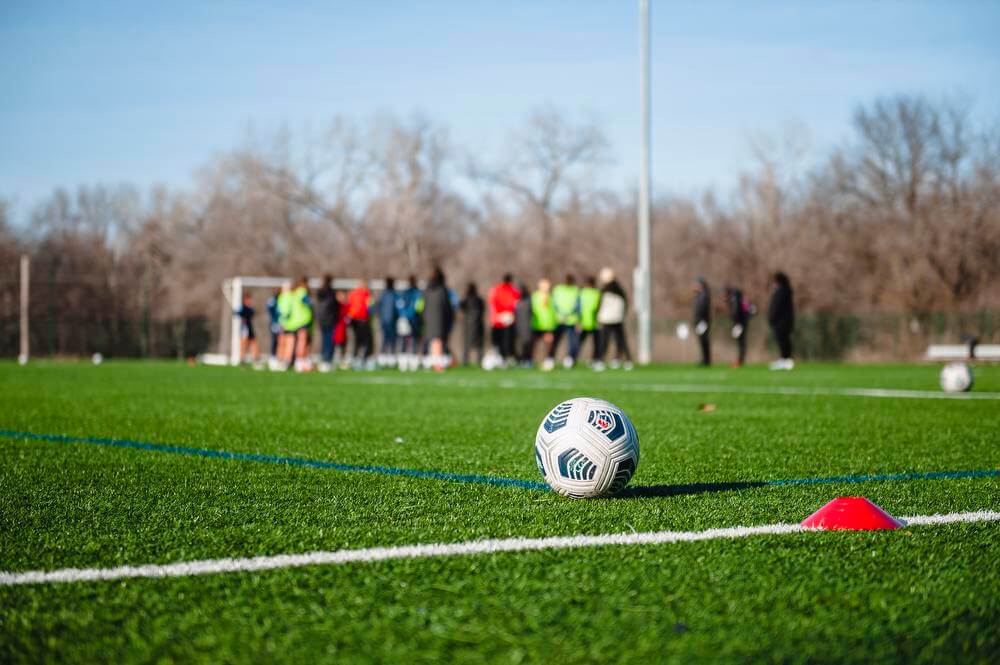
(650,491)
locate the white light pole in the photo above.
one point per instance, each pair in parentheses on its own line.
(25,301)
(643,285)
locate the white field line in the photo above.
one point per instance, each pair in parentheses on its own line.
(339,557)
(680,388)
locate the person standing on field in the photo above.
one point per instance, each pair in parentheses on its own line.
(525,335)
(566,302)
(611,319)
(781,318)
(387,315)
(286,342)
(340,331)
(249,350)
(473,310)
(409,324)
(358,316)
(300,322)
(327,311)
(274,324)
(739,313)
(503,299)
(703,319)
(437,315)
(543,321)
(590,302)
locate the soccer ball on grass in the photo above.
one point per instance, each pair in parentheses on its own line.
(586,447)
(956,378)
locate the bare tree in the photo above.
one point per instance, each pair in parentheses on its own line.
(545,161)
(413,220)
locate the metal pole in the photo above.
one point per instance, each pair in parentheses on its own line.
(25,276)
(643,285)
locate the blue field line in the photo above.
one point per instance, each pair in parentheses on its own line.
(277,459)
(498,481)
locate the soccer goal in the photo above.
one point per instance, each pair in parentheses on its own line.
(233,290)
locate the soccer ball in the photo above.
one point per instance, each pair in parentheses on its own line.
(491,360)
(97,358)
(956,378)
(586,447)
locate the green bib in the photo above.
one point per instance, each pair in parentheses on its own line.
(284,308)
(590,301)
(566,300)
(301,313)
(543,316)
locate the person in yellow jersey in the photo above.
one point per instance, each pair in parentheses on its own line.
(543,321)
(590,302)
(566,302)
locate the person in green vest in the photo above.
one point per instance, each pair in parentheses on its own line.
(543,321)
(590,302)
(286,339)
(566,302)
(300,319)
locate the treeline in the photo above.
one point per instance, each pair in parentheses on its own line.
(903,218)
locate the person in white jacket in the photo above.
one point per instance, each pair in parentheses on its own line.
(611,322)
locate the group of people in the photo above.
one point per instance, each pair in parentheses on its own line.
(521,320)
(416,324)
(780,318)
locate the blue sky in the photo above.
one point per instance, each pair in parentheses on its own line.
(147,92)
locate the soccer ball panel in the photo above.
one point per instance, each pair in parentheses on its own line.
(586,447)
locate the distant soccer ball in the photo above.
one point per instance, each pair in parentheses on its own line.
(683,331)
(956,378)
(22,359)
(587,447)
(97,358)
(491,360)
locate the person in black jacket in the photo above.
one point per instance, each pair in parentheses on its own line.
(703,318)
(781,318)
(739,313)
(473,309)
(327,312)
(437,315)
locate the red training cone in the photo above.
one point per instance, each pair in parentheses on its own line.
(851,512)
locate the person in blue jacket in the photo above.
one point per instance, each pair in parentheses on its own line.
(387,313)
(409,305)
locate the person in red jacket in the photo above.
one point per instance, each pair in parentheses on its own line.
(358,311)
(503,300)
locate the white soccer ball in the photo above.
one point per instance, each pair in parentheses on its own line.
(97,358)
(22,359)
(683,331)
(491,360)
(956,378)
(586,447)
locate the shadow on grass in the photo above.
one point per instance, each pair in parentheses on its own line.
(650,491)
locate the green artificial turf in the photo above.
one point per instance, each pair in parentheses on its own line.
(929,593)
